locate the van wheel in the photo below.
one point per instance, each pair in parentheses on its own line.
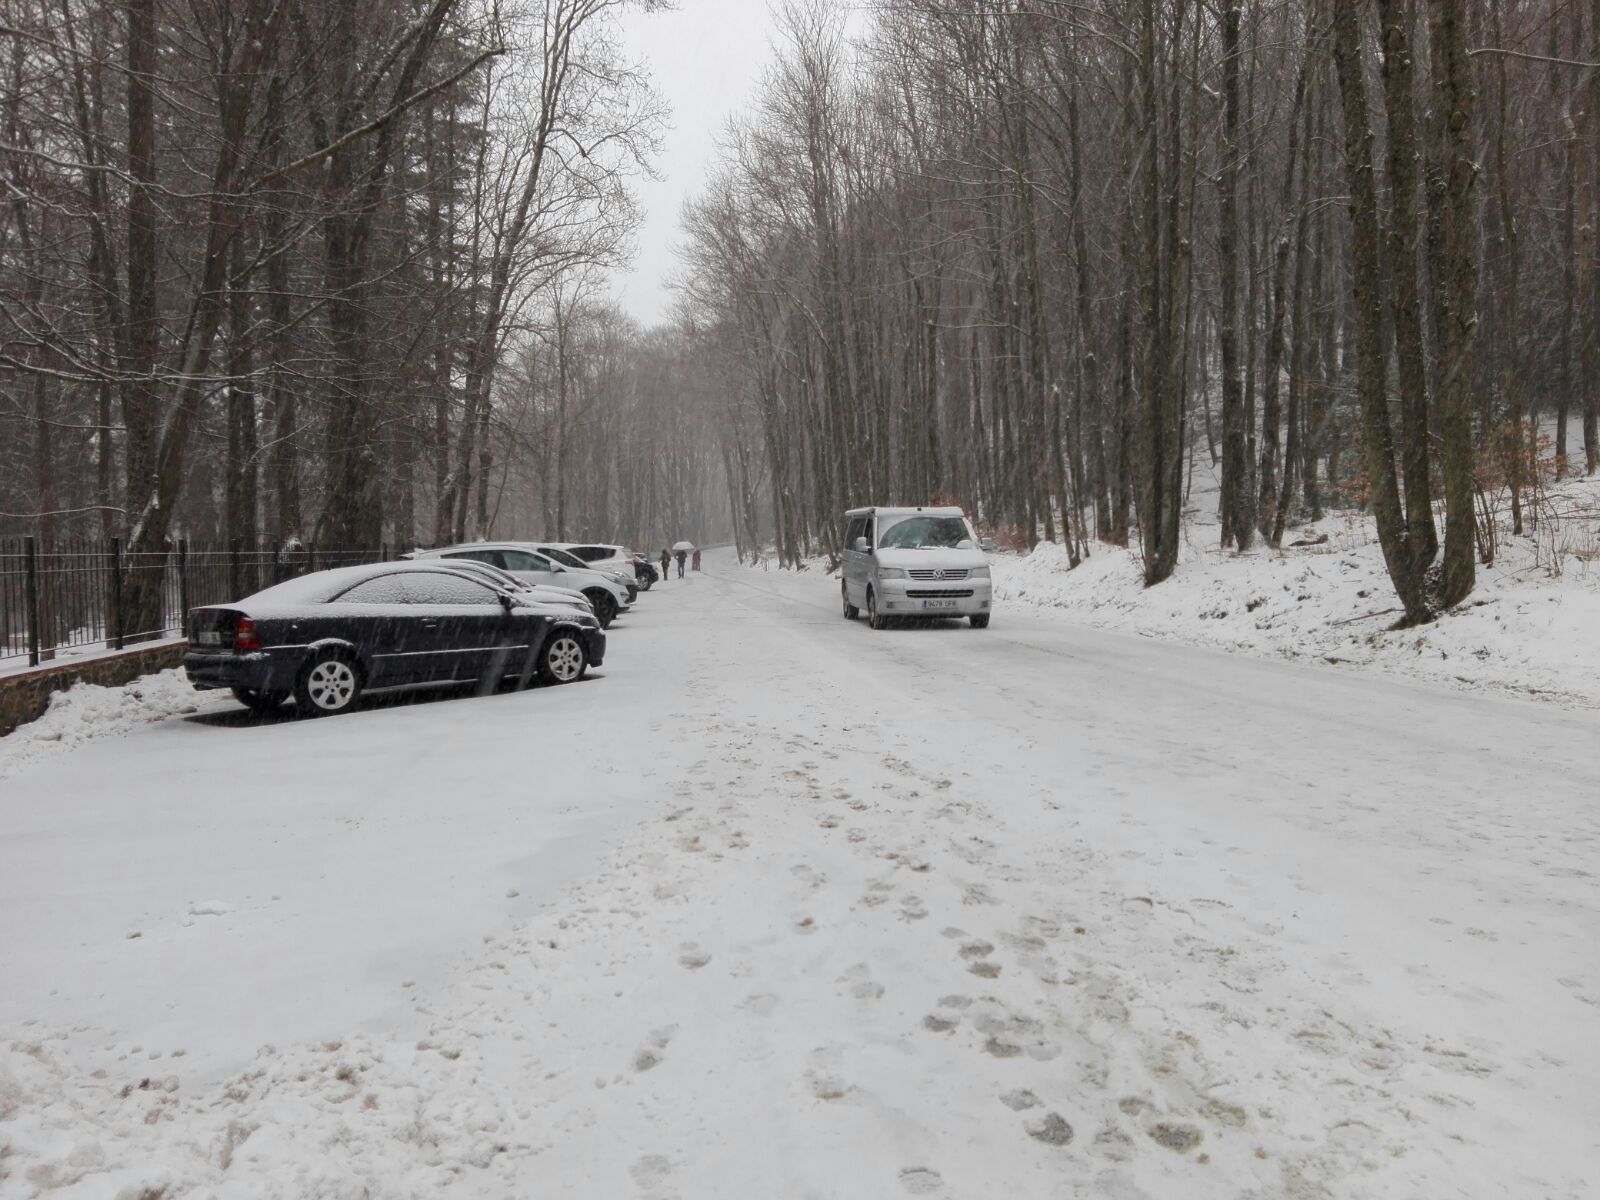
(875,619)
(851,612)
(329,684)
(980,621)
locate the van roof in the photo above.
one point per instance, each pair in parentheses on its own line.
(947,510)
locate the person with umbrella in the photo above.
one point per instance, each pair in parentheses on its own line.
(681,549)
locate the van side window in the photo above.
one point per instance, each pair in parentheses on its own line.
(857,527)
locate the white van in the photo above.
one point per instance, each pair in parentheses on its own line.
(913,562)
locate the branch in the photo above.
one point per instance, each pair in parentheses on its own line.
(379,122)
(1544,58)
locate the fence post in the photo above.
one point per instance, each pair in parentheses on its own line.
(183,582)
(31,584)
(116,638)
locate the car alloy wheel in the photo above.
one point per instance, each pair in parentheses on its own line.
(564,659)
(330,685)
(851,612)
(874,619)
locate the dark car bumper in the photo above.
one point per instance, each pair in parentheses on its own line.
(261,670)
(594,644)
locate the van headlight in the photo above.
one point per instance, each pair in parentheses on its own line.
(891,573)
(978,573)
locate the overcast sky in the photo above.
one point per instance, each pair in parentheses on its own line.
(706,59)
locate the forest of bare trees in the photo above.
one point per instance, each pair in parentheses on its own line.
(311,270)
(336,271)
(1031,256)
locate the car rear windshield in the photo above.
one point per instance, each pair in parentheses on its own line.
(923,533)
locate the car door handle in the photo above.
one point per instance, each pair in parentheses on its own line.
(430,624)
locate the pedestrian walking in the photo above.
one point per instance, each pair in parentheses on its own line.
(697,560)
(683,557)
(666,564)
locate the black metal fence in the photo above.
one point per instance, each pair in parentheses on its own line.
(66,595)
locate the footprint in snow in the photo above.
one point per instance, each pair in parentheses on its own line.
(921,1181)
(1052,1130)
(691,956)
(1174,1136)
(650,1054)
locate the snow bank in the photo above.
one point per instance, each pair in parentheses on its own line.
(86,712)
(1532,626)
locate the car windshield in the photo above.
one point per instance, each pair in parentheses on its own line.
(924,533)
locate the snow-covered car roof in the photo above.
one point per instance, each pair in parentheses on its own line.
(318,587)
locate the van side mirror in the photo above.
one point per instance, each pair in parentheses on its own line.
(859,545)
(988,546)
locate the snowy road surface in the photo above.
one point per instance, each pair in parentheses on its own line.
(781,907)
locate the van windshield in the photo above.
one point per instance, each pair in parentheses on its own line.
(924,533)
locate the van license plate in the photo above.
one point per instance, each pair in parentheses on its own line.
(938,604)
(210,637)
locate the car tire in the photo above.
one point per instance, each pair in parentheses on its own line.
(562,659)
(646,582)
(330,683)
(258,701)
(875,619)
(851,612)
(979,620)
(605,606)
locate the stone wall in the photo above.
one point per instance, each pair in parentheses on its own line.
(25,695)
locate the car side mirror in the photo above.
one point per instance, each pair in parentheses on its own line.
(507,602)
(859,545)
(988,546)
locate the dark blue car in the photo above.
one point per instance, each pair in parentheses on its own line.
(324,639)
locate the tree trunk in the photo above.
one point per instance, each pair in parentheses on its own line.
(1367,280)
(1455,292)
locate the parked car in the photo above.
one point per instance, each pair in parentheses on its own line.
(328,637)
(644,571)
(613,568)
(543,593)
(608,556)
(922,562)
(524,561)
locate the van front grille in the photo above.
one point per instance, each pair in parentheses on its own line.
(939,593)
(930,573)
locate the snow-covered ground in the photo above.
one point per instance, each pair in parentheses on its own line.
(1532,627)
(777,906)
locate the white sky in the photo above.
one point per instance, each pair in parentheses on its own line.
(706,59)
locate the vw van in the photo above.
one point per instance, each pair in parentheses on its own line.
(913,562)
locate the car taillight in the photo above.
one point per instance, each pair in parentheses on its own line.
(244,636)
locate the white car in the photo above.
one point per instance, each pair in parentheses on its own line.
(913,562)
(570,554)
(540,593)
(603,556)
(525,562)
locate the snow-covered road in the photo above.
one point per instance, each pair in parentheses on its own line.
(781,907)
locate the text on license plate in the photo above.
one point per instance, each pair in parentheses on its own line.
(210,637)
(938,604)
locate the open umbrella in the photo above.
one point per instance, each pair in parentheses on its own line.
(684,546)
